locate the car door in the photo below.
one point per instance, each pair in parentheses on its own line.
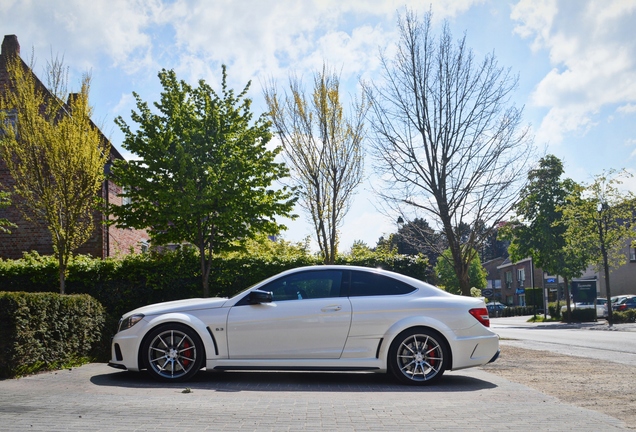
(377,302)
(307,319)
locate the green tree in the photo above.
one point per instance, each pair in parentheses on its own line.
(266,247)
(204,172)
(599,220)
(5,224)
(445,271)
(55,154)
(539,232)
(417,236)
(447,140)
(323,147)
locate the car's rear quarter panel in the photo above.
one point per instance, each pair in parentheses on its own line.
(384,317)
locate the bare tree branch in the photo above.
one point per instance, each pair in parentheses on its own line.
(323,148)
(447,140)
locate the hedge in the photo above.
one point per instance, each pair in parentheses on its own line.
(580,315)
(121,285)
(628,316)
(43,331)
(516,311)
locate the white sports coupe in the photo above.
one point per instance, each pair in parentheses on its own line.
(322,318)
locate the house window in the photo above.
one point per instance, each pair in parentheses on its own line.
(494,283)
(521,275)
(10,119)
(508,279)
(632,254)
(125,200)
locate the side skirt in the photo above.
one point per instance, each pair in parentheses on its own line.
(295,368)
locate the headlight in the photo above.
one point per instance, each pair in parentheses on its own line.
(126,323)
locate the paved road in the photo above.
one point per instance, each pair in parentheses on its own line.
(98,398)
(592,340)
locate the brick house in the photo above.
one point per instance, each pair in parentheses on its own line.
(106,240)
(515,278)
(493,278)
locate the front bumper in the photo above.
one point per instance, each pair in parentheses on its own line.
(117,366)
(124,349)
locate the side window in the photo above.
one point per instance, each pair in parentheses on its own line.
(306,285)
(372,284)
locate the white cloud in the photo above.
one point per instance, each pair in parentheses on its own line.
(125,104)
(594,56)
(627,109)
(535,19)
(255,38)
(83,31)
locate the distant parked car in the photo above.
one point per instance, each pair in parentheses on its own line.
(495,309)
(617,300)
(601,307)
(629,303)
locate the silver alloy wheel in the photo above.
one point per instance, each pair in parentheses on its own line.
(172,354)
(419,358)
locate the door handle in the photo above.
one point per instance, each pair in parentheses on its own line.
(334,308)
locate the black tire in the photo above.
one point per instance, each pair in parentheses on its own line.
(418,356)
(172,352)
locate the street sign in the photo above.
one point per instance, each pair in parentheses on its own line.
(487,292)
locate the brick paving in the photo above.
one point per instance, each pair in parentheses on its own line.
(98,398)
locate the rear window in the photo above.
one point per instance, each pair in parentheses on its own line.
(373,284)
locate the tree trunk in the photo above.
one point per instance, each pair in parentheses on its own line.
(602,229)
(61,262)
(568,310)
(62,269)
(610,318)
(461,271)
(205,267)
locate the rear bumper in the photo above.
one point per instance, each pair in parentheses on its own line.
(495,357)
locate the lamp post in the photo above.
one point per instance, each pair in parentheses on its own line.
(602,229)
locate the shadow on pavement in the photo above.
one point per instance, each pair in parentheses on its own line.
(292,381)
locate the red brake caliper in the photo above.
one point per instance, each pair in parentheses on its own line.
(431,361)
(187,353)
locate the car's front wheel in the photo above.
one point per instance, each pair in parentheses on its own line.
(418,356)
(172,352)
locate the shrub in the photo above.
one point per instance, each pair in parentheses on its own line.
(554,310)
(628,316)
(43,331)
(517,311)
(582,315)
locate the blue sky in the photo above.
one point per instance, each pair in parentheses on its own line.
(576,60)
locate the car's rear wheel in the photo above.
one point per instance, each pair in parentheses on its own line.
(172,352)
(418,356)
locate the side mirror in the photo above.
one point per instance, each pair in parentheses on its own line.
(258,296)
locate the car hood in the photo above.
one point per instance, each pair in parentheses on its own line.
(179,306)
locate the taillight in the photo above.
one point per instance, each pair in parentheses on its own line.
(481,314)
